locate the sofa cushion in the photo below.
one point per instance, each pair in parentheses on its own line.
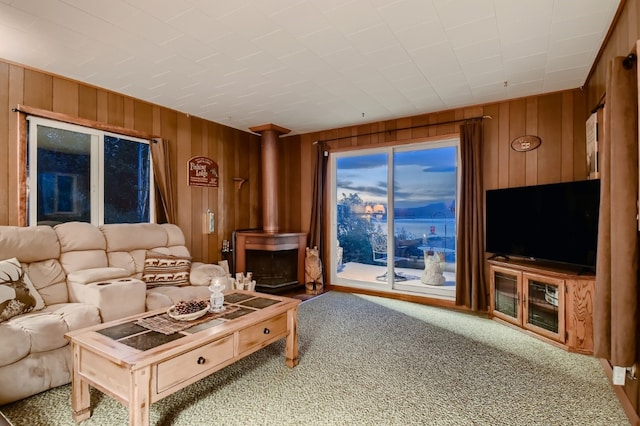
(17,293)
(82,246)
(44,330)
(165,269)
(28,243)
(49,279)
(132,236)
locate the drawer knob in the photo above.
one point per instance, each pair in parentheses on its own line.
(201,360)
(266,331)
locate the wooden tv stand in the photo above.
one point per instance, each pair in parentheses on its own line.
(550,302)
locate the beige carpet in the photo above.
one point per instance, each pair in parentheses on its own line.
(374,361)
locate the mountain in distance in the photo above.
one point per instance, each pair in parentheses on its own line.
(429,211)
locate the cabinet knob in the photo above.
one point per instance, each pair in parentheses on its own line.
(266,331)
(201,360)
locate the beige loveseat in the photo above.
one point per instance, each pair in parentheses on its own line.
(85,275)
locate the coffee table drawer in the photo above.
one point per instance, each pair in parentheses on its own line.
(257,334)
(190,364)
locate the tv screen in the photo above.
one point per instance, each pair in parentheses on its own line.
(554,222)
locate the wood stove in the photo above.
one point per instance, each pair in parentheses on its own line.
(275,258)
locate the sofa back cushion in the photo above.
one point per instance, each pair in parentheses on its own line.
(82,246)
(38,250)
(128,243)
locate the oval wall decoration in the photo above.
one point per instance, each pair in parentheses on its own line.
(525,143)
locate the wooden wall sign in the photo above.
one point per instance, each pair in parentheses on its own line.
(525,143)
(202,171)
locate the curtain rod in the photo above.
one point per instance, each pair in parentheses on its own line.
(406,128)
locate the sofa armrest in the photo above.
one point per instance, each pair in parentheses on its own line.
(115,299)
(201,273)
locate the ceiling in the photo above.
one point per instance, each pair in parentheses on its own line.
(310,65)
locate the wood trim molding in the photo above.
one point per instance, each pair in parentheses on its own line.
(24,109)
(424,300)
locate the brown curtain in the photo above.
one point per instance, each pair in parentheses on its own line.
(315,229)
(616,310)
(165,206)
(471,288)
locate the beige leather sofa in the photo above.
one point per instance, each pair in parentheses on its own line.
(85,275)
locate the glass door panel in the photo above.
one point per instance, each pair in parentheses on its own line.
(424,223)
(506,298)
(544,306)
(361,218)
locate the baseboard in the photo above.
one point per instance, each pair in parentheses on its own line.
(627,406)
(400,296)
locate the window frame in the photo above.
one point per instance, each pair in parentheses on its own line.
(96,173)
(389,150)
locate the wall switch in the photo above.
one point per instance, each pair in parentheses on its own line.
(619,373)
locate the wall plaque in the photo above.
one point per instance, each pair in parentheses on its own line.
(525,143)
(202,171)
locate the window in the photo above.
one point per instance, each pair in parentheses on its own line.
(408,192)
(77,173)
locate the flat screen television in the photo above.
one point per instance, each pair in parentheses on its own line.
(552,222)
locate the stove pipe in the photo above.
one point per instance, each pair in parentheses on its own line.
(270,134)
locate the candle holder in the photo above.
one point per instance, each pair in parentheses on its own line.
(218,284)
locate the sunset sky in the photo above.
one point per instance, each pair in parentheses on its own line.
(422,176)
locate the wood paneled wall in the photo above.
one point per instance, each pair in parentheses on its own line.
(557,118)
(236,152)
(621,41)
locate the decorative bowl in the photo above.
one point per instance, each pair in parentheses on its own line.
(186,317)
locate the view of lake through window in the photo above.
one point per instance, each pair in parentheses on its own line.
(409,193)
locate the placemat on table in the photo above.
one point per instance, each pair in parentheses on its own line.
(164,324)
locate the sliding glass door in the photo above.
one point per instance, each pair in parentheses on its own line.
(393,218)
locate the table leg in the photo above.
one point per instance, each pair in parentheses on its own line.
(140,397)
(80,399)
(292,337)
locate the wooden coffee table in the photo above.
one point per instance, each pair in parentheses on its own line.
(138,366)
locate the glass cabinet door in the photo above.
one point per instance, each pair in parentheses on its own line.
(544,306)
(505,294)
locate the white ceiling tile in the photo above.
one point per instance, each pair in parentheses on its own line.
(420,36)
(325,41)
(162,10)
(568,47)
(352,17)
(567,62)
(486,78)
(484,49)
(16,18)
(436,59)
(407,13)
(372,39)
(472,33)
(278,43)
(457,13)
(525,48)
